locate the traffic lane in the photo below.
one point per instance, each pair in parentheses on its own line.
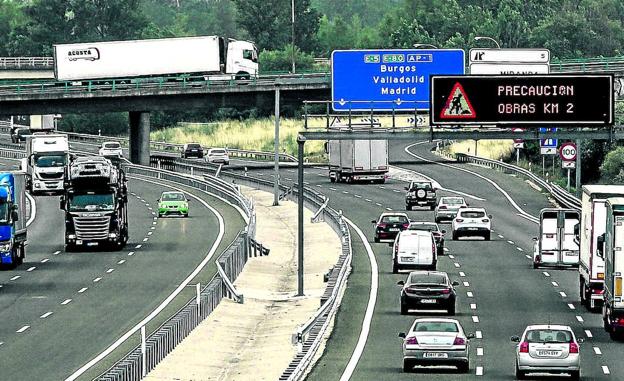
(124,294)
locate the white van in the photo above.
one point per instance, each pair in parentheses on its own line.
(414,249)
(556,244)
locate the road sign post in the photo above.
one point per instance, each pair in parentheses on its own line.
(396,79)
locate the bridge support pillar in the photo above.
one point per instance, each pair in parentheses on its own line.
(139,137)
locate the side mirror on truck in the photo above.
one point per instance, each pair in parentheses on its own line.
(326,147)
(600,245)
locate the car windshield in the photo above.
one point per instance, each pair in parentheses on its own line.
(394,219)
(424,227)
(217,151)
(472,214)
(427,278)
(50,161)
(436,326)
(91,202)
(419,185)
(452,201)
(548,336)
(4,213)
(23,131)
(112,145)
(173,197)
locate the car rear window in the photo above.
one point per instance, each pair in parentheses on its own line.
(194,146)
(452,201)
(218,151)
(394,219)
(472,214)
(436,326)
(548,336)
(424,227)
(111,145)
(421,185)
(427,278)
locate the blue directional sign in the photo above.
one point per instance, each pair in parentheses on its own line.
(548,143)
(389,79)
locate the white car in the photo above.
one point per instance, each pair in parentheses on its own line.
(472,222)
(414,249)
(108,149)
(436,341)
(448,206)
(548,349)
(218,155)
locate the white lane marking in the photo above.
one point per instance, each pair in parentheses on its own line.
(110,271)
(319,185)
(588,333)
(357,196)
(97,280)
(168,300)
(131,253)
(579,318)
(150,233)
(133,193)
(332,189)
(451,256)
(16,277)
(563,294)
(382,187)
(466,284)
(121,262)
(388,208)
(546,274)
(66,301)
(511,242)
(473,306)
(470,294)
(446,250)
(597,351)
(46,315)
(554,283)
(370,307)
(571,306)
(396,191)
(519,249)
(138,246)
(44,260)
(507,196)
(152,228)
(378,204)
(479,335)
(149,208)
(475,318)
(31,269)
(83,290)
(456,264)
(306,183)
(605,369)
(367,199)
(500,236)
(345,192)
(33,209)
(23,329)
(56,252)
(462,274)
(145,239)
(479,351)
(528,256)
(479,371)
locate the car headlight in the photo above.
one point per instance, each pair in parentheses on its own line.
(185,205)
(5,246)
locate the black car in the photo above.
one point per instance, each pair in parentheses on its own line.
(19,135)
(432,227)
(420,193)
(428,290)
(389,225)
(192,150)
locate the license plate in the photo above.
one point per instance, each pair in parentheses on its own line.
(428,301)
(571,253)
(92,243)
(393,229)
(407,259)
(548,353)
(472,228)
(435,355)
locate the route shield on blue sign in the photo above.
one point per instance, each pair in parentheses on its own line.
(389,79)
(548,143)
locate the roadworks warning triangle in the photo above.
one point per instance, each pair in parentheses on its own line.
(458,105)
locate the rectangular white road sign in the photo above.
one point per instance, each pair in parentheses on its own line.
(568,164)
(548,150)
(508,69)
(509,56)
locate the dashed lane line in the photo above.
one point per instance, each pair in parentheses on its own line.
(462,274)
(555,284)
(456,264)
(121,262)
(83,290)
(563,294)
(46,315)
(579,318)
(110,271)
(97,280)
(475,319)
(451,256)
(131,253)
(511,242)
(519,249)
(605,369)
(24,328)
(470,294)
(479,351)
(66,302)
(357,196)
(588,333)
(546,274)
(56,252)
(473,306)
(16,277)
(478,335)
(597,351)
(479,371)
(571,306)
(31,269)
(528,256)
(44,260)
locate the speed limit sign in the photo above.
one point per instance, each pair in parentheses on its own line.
(567,152)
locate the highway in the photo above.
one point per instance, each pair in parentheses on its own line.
(499,295)
(64,308)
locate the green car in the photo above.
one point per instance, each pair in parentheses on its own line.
(173,203)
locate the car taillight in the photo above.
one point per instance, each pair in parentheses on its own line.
(381,226)
(446,291)
(442,207)
(524,347)
(459,341)
(574,348)
(619,321)
(433,248)
(405,226)
(459,220)
(598,292)
(485,220)
(411,340)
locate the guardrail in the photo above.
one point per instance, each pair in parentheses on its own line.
(559,194)
(27,63)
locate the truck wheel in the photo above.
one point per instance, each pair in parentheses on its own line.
(376,239)
(395,267)
(605,321)
(432,207)
(575,375)
(535,265)
(582,292)
(332,179)
(463,367)
(404,309)
(21,254)
(408,207)
(455,236)
(487,236)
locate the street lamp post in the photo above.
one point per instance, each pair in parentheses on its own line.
(479,38)
(418,46)
(292,33)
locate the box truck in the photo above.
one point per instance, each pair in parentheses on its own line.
(610,248)
(46,159)
(358,160)
(204,55)
(12,218)
(557,244)
(593,225)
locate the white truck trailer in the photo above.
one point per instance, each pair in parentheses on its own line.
(358,160)
(556,244)
(593,224)
(610,248)
(47,157)
(204,55)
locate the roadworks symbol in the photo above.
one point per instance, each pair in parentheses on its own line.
(458,105)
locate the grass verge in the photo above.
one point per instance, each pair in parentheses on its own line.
(491,149)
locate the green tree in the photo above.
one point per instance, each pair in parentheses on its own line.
(612,169)
(281,60)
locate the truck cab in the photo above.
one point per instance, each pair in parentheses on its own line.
(242,59)
(47,157)
(12,218)
(556,244)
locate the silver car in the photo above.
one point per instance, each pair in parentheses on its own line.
(447,208)
(436,341)
(548,349)
(218,155)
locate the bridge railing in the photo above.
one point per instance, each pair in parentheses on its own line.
(27,63)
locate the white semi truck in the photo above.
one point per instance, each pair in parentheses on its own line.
(47,157)
(358,160)
(204,55)
(611,249)
(593,225)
